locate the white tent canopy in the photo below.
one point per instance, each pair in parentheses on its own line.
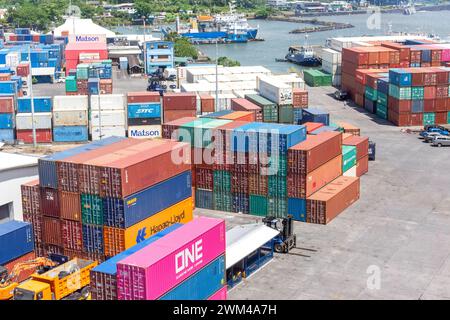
(243,240)
(81,27)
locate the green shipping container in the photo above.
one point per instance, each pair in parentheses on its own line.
(91,209)
(317,78)
(277,165)
(382,111)
(270,114)
(82,71)
(222,180)
(448,117)
(71,84)
(258,205)
(371,93)
(277,186)
(277,207)
(108,61)
(198,132)
(429,118)
(382,98)
(417,93)
(400,93)
(327,79)
(348,157)
(286,114)
(223,201)
(270,109)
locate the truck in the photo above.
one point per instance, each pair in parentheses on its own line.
(68,281)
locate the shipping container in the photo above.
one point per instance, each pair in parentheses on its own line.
(145,131)
(204,199)
(171,115)
(50,202)
(299,98)
(41,104)
(297,209)
(16,240)
(143,97)
(7,121)
(165,264)
(330,201)
(93,238)
(349,157)
(70,134)
(316,115)
(91,209)
(221,294)
(274,90)
(241,104)
(207,103)
(6,104)
(269,108)
(24,121)
(180,101)
(144,110)
(42,136)
(258,205)
(69,204)
(361,144)
(51,231)
(72,235)
(70,118)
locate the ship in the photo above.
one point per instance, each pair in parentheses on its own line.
(409,9)
(303,55)
(224,28)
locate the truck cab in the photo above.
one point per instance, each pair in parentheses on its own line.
(33,290)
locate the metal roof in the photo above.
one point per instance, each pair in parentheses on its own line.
(243,240)
(10,161)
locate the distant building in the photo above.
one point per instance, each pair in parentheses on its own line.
(278,3)
(309,7)
(159,54)
(122,7)
(337,6)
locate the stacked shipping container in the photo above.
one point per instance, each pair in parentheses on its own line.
(144,112)
(42,119)
(179,105)
(107,116)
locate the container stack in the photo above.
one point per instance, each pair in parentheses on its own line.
(90,79)
(31,208)
(179,105)
(197,278)
(331,64)
(317,78)
(76,53)
(241,104)
(144,114)
(42,119)
(269,108)
(107,116)
(84,216)
(70,118)
(279,93)
(7,107)
(207,103)
(355,151)
(16,241)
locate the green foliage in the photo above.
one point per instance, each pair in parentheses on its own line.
(227,62)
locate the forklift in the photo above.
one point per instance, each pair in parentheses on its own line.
(286,240)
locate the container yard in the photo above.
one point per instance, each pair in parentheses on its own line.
(138,190)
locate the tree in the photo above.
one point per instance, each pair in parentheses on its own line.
(227,62)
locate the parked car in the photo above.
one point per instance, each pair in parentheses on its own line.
(441,141)
(341,95)
(430,136)
(444,132)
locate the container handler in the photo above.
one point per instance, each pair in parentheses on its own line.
(286,240)
(68,281)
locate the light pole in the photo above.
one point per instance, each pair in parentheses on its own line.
(217,76)
(145,48)
(99,107)
(30,82)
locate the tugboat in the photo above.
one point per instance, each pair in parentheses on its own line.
(303,55)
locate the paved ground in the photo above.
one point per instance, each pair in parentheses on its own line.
(400,226)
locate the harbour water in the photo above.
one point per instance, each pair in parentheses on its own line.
(278,39)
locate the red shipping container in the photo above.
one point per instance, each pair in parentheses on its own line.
(416,119)
(403,64)
(70,206)
(25,274)
(171,115)
(239,182)
(170,126)
(361,144)
(330,201)
(355,55)
(401,120)
(350,68)
(311,126)
(23,70)
(49,202)
(429,105)
(51,248)
(362,166)
(52,231)
(142,97)
(441,76)
(207,103)
(425,64)
(6,104)
(314,151)
(404,52)
(359,99)
(204,179)
(258,184)
(42,136)
(440,104)
(429,78)
(31,198)
(299,98)
(442,91)
(179,101)
(241,104)
(441,117)
(72,235)
(303,185)
(399,106)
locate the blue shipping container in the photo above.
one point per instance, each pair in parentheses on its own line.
(202,284)
(400,77)
(123,213)
(16,239)
(325,129)
(316,115)
(297,208)
(370,105)
(70,134)
(6,120)
(298,115)
(217,114)
(204,199)
(241,202)
(47,165)
(144,110)
(383,85)
(8,87)
(93,238)
(41,104)
(7,135)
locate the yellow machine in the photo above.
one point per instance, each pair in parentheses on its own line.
(69,281)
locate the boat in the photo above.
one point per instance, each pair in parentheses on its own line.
(409,9)
(303,55)
(223,28)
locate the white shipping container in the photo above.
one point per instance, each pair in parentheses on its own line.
(144,132)
(89,56)
(107,131)
(292,80)
(350,172)
(108,118)
(331,68)
(274,90)
(224,101)
(243,93)
(70,103)
(12,59)
(109,102)
(70,118)
(42,120)
(331,56)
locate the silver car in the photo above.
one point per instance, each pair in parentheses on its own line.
(441,141)
(430,136)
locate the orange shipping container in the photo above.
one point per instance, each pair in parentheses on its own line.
(245,116)
(69,205)
(362,166)
(207,103)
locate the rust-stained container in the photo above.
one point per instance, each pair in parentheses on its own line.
(51,233)
(241,104)
(349,128)
(25,274)
(355,55)
(239,182)
(441,117)
(204,178)
(170,126)
(429,105)
(72,234)
(171,115)
(49,202)
(31,198)
(207,103)
(179,101)
(361,144)
(299,98)
(6,104)
(441,105)
(330,201)
(302,186)
(416,119)
(399,106)
(314,151)
(135,168)
(244,116)
(362,166)
(143,96)
(258,184)
(399,119)
(69,205)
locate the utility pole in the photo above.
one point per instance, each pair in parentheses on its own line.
(145,49)
(99,107)
(30,82)
(217,76)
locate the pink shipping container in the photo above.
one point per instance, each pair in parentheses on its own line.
(159,267)
(220,294)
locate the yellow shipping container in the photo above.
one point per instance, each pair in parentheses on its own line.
(117,240)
